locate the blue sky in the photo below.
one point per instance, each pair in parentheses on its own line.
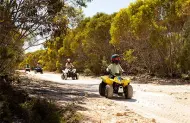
(107,6)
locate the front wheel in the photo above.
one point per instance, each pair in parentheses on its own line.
(102,88)
(63,76)
(109,91)
(128,92)
(73,78)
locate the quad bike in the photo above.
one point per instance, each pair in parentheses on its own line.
(117,85)
(27,69)
(38,70)
(70,73)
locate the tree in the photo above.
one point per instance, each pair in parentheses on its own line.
(30,21)
(151,36)
(88,44)
(97,39)
(153,29)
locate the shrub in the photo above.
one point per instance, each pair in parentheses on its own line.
(17,106)
(87,72)
(41,111)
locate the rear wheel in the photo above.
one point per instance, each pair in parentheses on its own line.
(77,76)
(128,92)
(109,91)
(102,88)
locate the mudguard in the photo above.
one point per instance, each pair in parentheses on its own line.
(107,80)
(117,79)
(126,82)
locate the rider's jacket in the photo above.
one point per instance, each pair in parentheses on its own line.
(69,65)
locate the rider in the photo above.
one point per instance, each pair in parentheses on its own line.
(69,66)
(27,66)
(38,65)
(114,68)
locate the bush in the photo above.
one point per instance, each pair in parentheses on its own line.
(10,99)
(70,115)
(185,76)
(17,106)
(87,72)
(41,111)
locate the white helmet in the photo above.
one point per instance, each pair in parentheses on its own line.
(68,60)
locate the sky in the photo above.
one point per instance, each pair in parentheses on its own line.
(106,6)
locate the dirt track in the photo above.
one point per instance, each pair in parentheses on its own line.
(151,103)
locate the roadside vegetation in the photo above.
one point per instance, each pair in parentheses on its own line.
(152,36)
(18,105)
(25,23)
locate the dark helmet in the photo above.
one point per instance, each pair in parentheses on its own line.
(115,58)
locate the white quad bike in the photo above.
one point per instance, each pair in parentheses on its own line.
(70,73)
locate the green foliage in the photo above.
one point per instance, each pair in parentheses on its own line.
(154,29)
(184,58)
(58,65)
(104,65)
(25,21)
(88,72)
(10,99)
(41,111)
(21,21)
(70,114)
(96,42)
(120,26)
(128,56)
(152,35)
(32,59)
(86,45)
(10,52)
(17,106)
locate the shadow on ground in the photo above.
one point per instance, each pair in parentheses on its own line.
(65,92)
(58,92)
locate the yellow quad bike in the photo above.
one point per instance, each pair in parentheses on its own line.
(118,85)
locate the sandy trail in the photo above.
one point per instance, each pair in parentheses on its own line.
(164,103)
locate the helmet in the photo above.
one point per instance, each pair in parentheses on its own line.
(68,60)
(115,58)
